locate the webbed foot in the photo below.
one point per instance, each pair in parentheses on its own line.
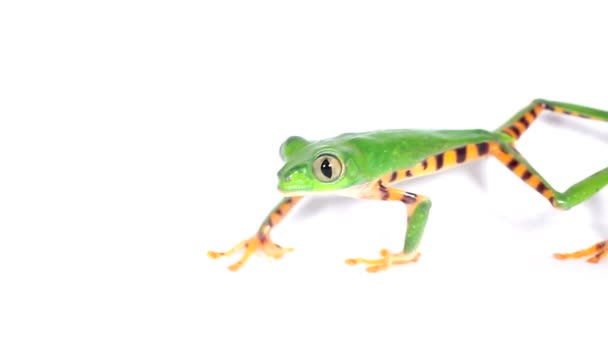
(250,246)
(388,259)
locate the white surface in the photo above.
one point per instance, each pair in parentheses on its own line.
(135,136)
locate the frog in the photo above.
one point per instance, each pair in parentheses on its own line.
(368,165)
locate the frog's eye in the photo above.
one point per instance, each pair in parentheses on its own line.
(291,146)
(327,168)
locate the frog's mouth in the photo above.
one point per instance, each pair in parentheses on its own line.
(355,191)
(296,193)
(294,190)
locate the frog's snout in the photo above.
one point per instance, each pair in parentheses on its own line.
(286,178)
(293,179)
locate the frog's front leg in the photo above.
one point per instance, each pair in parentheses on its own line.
(418,207)
(261,240)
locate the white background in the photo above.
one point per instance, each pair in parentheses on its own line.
(136,136)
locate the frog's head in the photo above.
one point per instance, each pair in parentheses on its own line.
(316,166)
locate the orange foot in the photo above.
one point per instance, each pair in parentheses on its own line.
(599,251)
(388,259)
(251,245)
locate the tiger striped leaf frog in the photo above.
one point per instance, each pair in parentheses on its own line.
(367,165)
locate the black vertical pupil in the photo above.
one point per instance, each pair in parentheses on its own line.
(326,168)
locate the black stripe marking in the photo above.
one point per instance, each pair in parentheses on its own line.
(408,173)
(439,160)
(527,174)
(461,154)
(408,198)
(393,176)
(541,187)
(524,121)
(279,212)
(533,113)
(547,107)
(270,223)
(424,164)
(512,164)
(384,192)
(482,148)
(288,200)
(515,130)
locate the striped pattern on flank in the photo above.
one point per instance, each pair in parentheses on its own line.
(520,126)
(440,161)
(524,174)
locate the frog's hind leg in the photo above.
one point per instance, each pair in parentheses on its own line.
(577,193)
(520,122)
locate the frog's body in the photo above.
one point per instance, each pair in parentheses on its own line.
(364,165)
(377,153)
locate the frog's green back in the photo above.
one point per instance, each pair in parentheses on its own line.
(367,156)
(381,152)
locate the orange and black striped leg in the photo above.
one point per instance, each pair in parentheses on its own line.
(513,160)
(261,240)
(573,196)
(417,211)
(519,123)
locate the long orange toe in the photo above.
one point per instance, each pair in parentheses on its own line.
(387,260)
(595,253)
(250,246)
